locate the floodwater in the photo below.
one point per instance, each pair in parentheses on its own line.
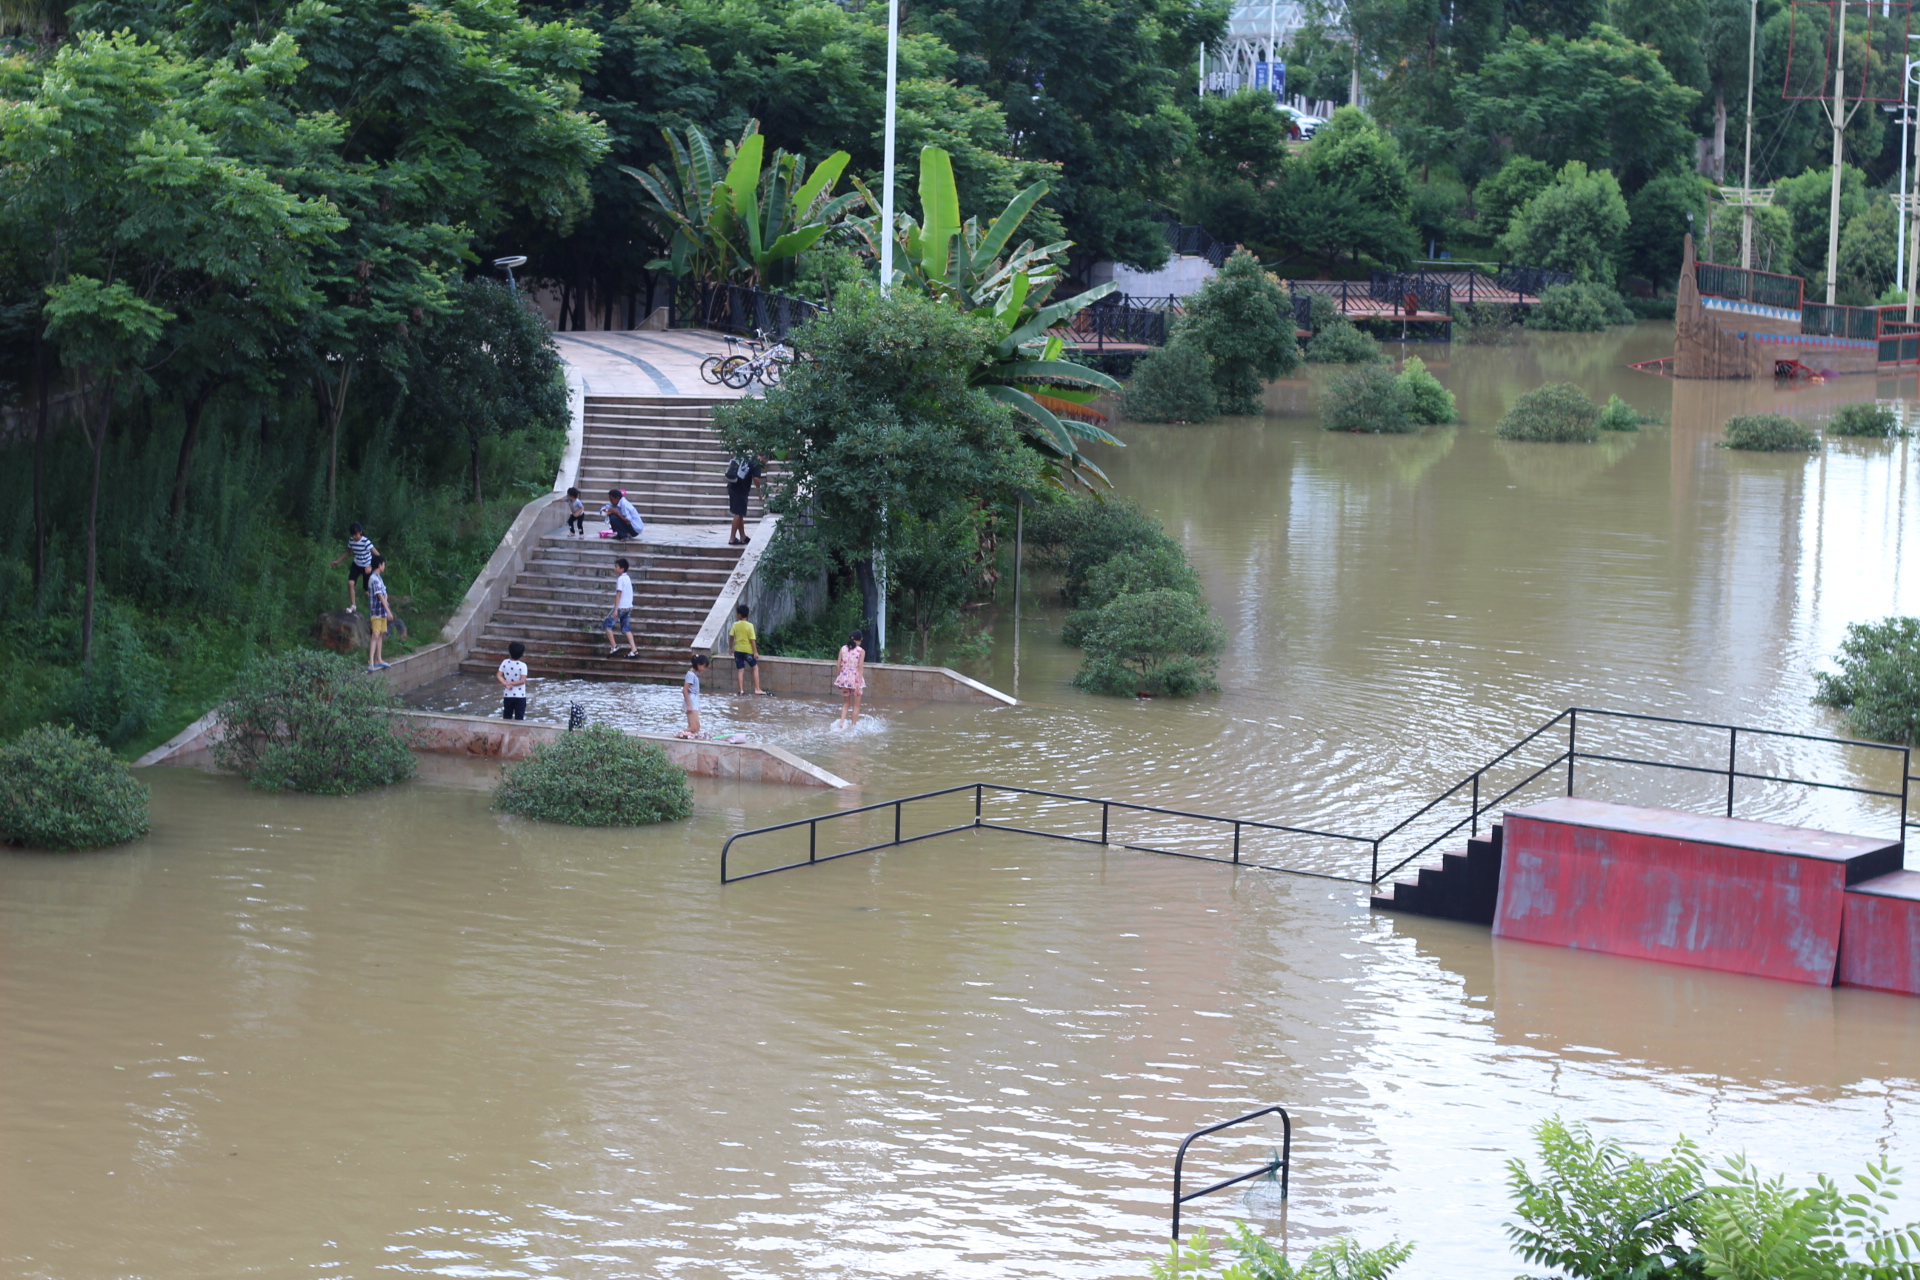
(402,1034)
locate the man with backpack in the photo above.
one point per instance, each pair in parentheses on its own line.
(742,472)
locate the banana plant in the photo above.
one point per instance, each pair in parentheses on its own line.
(972,268)
(746,223)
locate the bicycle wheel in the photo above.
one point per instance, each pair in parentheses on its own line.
(737,373)
(710,369)
(775,370)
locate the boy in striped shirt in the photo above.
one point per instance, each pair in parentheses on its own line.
(361,548)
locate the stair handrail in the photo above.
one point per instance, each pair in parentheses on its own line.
(1282,1163)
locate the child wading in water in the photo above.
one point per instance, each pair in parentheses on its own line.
(690,691)
(377,613)
(851,680)
(360,547)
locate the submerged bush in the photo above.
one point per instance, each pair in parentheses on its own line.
(1077,535)
(1341,343)
(1579,308)
(1769,433)
(1864,419)
(312,721)
(1367,399)
(1558,413)
(1485,324)
(1428,403)
(1619,416)
(1161,641)
(596,777)
(63,790)
(1878,686)
(1153,568)
(1172,384)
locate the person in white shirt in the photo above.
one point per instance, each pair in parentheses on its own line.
(513,683)
(621,619)
(622,516)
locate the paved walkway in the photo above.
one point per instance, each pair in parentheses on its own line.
(663,363)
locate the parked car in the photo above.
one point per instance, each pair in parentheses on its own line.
(1300,125)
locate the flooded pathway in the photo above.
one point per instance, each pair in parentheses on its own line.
(402,1034)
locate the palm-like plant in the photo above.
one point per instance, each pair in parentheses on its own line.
(744,223)
(971,267)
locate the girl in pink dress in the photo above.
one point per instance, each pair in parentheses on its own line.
(850,680)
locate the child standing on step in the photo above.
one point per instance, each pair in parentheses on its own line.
(576,515)
(690,692)
(378,612)
(513,683)
(622,615)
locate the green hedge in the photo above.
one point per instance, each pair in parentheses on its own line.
(1769,433)
(1558,413)
(312,721)
(63,790)
(1864,419)
(596,777)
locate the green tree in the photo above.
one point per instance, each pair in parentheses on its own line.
(1239,152)
(1243,320)
(1598,98)
(1657,224)
(1161,641)
(881,425)
(1172,384)
(1869,243)
(1596,1210)
(1807,197)
(1504,193)
(1878,685)
(1349,193)
(1578,225)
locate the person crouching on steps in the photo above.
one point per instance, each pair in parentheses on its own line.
(377,613)
(746,651)
(622,516)
(621,618)
(513,683)
(690,692)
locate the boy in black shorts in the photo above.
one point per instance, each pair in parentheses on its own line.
(361,548)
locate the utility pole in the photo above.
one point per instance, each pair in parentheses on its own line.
(1838,115)
(1744,195)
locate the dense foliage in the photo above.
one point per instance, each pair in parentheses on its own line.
(63,790)
(1863,418)
(1618,416)
(1171,384)
(1878,684)
(1578,308)
(1243,321)
(1428,403)
(1366,399)
(1159,641)
(1769,433)
(1341,342)
(596,777)
(1557,413)
(1341,1258)
(308,720)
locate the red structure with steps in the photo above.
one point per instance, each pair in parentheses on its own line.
(1685,888)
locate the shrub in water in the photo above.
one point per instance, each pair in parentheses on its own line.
(1769,433)
(1428,403)
(1619,416)
(63,790)
(1878,686)
(312,721)
(1243,320)
(1077,535)
(1367,399)
(1172,384)
(1153,568)
(596,777)
(1341,343)
(1578,308)
(1558,413)
(1159,641)
(1864,419)
(1485,324)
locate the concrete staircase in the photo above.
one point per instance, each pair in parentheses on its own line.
(664,453)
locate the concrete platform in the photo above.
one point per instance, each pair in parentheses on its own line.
(1686,888)
(1880,934)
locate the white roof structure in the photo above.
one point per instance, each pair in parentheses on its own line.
(1256,32)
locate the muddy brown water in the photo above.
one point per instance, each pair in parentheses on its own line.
(401,1034)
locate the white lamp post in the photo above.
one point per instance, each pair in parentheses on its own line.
(886,280)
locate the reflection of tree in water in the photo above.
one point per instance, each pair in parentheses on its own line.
(1399,459)
(1560,469)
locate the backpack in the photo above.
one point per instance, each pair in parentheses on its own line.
(738,469)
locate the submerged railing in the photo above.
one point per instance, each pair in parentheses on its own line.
(1543,758)
(1281,1163)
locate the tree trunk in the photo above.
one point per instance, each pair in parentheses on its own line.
(189,439)
(335,404)
(41,350)
(93,524)
(476,470)
(1719,133)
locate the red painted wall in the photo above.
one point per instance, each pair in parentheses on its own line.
(1880,935)
(1665,897)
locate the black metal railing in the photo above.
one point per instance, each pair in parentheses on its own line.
(1899,338)
(738,308)
(1346,856)
(1111,321)
(1530,280)
(1741,285)
(1280,1164)
(1430,292)
(1195,241)
(1822,321)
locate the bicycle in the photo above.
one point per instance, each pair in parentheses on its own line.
(769,364)
(715,369)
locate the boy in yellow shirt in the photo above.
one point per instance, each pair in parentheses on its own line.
(746,651)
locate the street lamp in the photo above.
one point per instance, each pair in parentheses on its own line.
(507,264)
(886,282)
